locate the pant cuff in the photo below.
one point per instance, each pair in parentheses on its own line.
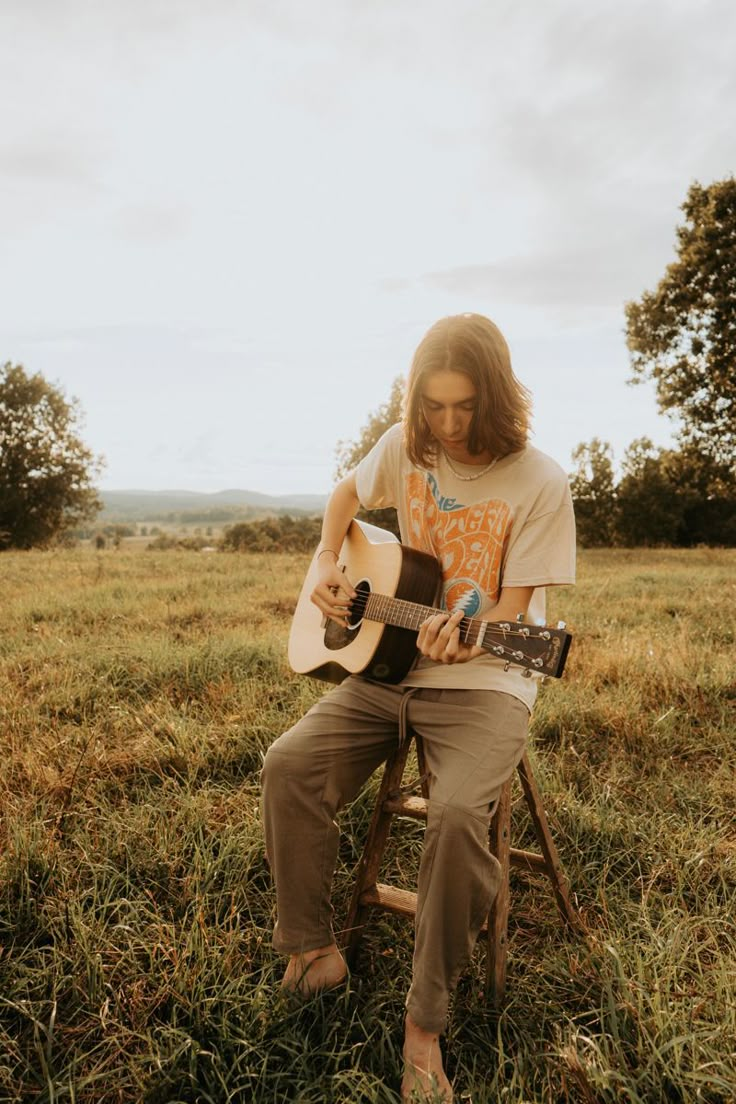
(300,945)
(437,1025)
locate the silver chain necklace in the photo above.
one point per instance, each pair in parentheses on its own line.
(470,478)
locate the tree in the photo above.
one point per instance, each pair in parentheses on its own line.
(350,453)
(708,495)
(593,493)
(664,497)
(46,471)
(683,334)
(650,503)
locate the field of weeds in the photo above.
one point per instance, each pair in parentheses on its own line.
(138,692)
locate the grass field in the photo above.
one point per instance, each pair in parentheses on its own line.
(138,691)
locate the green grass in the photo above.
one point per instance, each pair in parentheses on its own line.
(138,692)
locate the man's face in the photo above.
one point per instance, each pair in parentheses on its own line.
(449,402)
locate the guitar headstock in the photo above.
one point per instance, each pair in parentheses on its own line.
(536,648)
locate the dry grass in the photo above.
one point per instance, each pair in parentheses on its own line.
(137,694)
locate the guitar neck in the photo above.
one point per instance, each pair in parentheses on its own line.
(537,649)
(412,615)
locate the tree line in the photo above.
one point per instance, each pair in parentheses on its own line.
(664,497)
(681,336)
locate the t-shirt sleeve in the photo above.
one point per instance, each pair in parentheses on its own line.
(377,476)
(542,553)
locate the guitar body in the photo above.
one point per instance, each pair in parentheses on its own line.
(374,562)
(397,591)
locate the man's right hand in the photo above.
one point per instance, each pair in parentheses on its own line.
(333,591)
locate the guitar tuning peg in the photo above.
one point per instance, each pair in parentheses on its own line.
(526,673)
(520,617)
(562,624)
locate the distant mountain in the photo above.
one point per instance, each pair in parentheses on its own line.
(136,505)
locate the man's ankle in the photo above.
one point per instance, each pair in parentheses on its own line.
(320,968)
(413,1030)
(316,952)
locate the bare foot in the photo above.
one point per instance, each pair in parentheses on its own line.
(424,1075)
(312,971)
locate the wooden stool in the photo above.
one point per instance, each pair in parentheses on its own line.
(391,801)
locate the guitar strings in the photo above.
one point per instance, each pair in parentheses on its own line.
(498,644)
(467,624)
(495,639)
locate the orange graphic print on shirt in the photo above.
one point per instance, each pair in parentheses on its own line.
(469,541)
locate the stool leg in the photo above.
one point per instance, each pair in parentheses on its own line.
(370,860)
(552,863)
(499,845)
(498,918)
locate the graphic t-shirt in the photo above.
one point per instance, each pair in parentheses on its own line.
(512,527)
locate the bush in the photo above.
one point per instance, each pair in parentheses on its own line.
(165,542)
(275,534)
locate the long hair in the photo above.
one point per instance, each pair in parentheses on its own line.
(472,344)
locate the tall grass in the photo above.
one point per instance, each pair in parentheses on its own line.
(138,692)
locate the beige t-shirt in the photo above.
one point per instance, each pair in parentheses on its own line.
(512,527)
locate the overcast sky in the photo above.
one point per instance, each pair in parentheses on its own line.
(225,226)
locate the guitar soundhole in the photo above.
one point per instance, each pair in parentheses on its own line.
(355,617)
(337,636)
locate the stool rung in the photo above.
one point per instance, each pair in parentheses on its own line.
(416,807)
(405,805)
(390,898)
(528,860)
(401,901)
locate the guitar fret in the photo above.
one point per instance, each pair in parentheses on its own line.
(411,615)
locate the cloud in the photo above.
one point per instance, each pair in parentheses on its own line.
(152,222)
(608,115)
(42,176)
(596,121)
(42,159)
(599,273)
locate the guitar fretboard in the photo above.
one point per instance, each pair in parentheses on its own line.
(412,615)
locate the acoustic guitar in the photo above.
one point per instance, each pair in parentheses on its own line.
(397,590)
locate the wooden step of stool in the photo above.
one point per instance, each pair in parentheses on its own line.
(369,893)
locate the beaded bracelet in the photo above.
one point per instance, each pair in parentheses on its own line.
(328,550)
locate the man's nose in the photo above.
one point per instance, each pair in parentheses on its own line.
(449,423)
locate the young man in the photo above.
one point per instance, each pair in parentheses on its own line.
(497,514)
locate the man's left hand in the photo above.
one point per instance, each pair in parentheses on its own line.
(439,639)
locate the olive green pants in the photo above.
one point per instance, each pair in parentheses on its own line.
(473,740)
